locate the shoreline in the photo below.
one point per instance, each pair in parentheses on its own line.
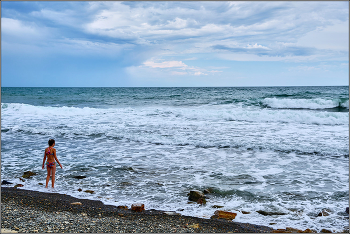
(31,211)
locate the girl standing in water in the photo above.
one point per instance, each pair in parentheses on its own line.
(50,154)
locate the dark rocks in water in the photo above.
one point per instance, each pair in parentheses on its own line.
(80,190)
(138,207)
(202,201)
(21,179)
(79,177)
(324,212)
(18,185)
(216,206)
(270,213)
(245,212)
(28,174)
(40,184)
(206,191)
(195,195)
(219,214)
(125,183)
(5,182)
(325,231)
(122,207)
(347,210)
(89,191)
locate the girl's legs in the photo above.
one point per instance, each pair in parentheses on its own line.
(53,170)
(48,176)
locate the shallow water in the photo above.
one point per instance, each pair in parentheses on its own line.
(280,149)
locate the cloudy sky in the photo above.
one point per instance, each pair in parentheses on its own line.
(99,44)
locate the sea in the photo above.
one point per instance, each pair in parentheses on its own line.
(274,149)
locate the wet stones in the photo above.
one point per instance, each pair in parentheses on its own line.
(270,213)
(18,185)
(206,191)
(197,196)
(324,212)
(76,203)
(138,207)
(89,191)
(347,210)
(219,214)
(122,207)
(79,177)
(5,182)
(28,174)
(194,195)
(293,230)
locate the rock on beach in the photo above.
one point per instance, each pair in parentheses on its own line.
(138,207)
(219,214)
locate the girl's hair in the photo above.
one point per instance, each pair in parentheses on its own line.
(51,142)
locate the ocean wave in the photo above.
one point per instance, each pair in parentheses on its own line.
(201,127)
(314,104)
(178,115)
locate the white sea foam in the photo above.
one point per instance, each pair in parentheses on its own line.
(155,155)
(284,130)
(316,103)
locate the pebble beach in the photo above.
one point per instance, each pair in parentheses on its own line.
(27,211)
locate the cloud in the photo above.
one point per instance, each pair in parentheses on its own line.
(200,26)
(198,73)
(181,38)
(332,37)
(166,64)
(178,65)
(19,29)
(179,73)
(276,51)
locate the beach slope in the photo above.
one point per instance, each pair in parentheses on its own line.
(32,211)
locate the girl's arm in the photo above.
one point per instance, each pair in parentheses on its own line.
(44,160)
(54,154)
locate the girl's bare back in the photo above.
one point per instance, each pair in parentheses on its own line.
(50,153)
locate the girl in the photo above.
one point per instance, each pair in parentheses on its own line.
(50,153)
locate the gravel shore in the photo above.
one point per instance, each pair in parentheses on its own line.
(31,211)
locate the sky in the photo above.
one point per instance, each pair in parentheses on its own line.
(174,43)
